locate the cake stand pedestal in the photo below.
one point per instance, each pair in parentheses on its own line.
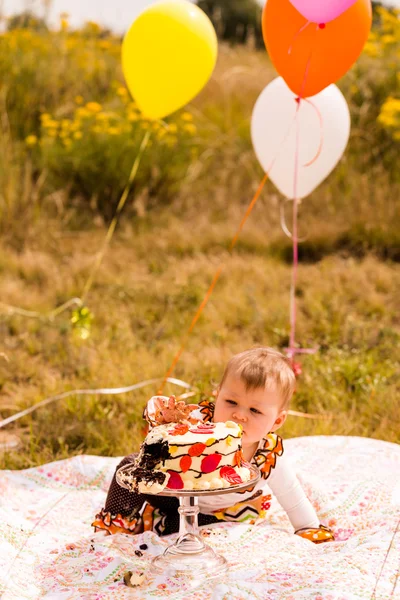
(189,554)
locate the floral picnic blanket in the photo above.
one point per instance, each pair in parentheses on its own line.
(48,548)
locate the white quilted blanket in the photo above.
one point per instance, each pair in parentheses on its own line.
(48,549)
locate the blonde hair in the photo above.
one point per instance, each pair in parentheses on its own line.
(259,367)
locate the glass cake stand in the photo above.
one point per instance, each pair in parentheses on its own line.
(189,554)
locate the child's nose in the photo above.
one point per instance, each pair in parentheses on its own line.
(239,415)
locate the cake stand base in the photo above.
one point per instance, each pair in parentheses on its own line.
(204,564)
(189,554)
(189,557)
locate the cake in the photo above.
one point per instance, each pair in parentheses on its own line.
(187,456)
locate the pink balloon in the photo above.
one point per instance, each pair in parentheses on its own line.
(321,11)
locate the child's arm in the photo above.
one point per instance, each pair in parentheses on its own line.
(291,496)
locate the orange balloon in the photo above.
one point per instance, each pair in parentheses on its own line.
(308,56)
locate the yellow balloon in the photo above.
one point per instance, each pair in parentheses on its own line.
(168,55)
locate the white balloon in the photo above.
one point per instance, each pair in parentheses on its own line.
(323,126)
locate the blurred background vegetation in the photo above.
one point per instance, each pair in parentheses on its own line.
(69,134)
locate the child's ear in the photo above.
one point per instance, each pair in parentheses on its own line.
(279,421)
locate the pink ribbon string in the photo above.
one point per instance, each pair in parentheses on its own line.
(297,35)
(321,137)
(292,350)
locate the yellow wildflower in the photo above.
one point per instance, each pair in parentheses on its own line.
(93,107)
(50,124)
(106,115)
(79,99)
(187,116)
(371,49)
(172,128)
(64,24)
(75,125)
(171,141)
(31,140)
(389,116)
(82,113)
(114,130)
(122,92)
(78,135)
(388,39)
(92,27)
(190,128)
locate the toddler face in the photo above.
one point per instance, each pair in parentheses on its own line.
(258,411)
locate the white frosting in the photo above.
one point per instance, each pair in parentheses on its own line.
(153,487)
(198,468)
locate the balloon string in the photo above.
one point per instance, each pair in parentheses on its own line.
(397,529)
(307,69)
(14,310)
(291,351)
(231,247)
(321,136)
(99,391)
(118,211)
(282,218)
(297,35)
(9,574)
(213,283)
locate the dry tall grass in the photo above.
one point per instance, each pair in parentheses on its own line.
(164,256)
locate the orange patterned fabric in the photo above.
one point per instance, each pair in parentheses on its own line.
(115,523)
(318,536)
(265,457)
(207,408)
(248,511)
(118,524)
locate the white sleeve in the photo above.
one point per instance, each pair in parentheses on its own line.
(291,496)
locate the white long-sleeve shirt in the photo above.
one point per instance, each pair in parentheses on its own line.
(284,485)
(277,476)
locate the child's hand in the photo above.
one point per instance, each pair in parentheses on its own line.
(318,535)
(168,410)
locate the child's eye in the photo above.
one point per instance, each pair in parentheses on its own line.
(255,411)
(232,402)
